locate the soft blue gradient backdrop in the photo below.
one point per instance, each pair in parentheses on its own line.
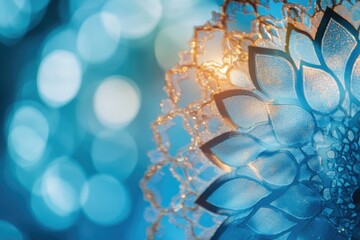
(81,81)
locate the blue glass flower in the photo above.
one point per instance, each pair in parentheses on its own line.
(293,158)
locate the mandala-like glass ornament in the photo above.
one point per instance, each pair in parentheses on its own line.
(260,136)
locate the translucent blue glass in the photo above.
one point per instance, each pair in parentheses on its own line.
(293,157)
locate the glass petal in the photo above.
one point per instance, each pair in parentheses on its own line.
(299,201)
(234,232)
(292,125)
(320,89)
(268,221)
(355,79)
(278,169)
(241,108)
(273,73)
(266,134)
(232,149)
(337,39)
(239,217)
(301,48)
(230,193)
(285,236)
(318,229)
(240,77)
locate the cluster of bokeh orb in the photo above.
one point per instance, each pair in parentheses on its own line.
(67,131)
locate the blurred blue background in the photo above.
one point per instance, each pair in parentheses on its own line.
(81,81)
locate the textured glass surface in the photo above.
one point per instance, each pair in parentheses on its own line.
(234,150)
(275,76)
(355,80)
(239,107)
(336,55)
(284,148)
(320,89)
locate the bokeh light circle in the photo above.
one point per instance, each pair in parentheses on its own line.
(174,37)
(13,21)
(105,201)
(63,38)
(137,17)
(28,134)
(84,7)
(116,102)
(176,8)
(18,17)
(59,78)
(45,215)
(106,27)
(61,185)
(9,231)
(114,153)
